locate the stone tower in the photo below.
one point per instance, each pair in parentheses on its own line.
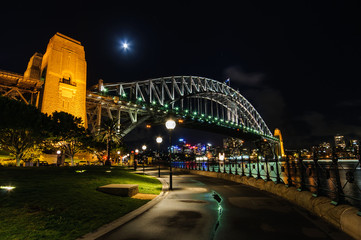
(63,69)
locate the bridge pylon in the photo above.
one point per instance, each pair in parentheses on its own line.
(63,70)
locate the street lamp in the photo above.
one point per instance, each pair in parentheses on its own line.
(135,159)
(59,158)
(170,125)
(159,140)
(118,152)
(144,147)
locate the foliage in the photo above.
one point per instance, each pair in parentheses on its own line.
(68,134)
(94,146)
(21,127)
(110,133)
(18,115)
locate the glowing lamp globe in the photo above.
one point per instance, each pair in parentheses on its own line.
(159,140)
(170,124)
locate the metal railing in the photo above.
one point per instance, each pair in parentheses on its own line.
(340,180)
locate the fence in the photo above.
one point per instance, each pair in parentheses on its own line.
(338,179)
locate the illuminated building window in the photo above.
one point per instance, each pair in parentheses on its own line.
(67,81)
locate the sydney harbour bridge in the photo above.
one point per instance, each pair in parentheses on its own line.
(55,82)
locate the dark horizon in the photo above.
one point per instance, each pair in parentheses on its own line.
(296,62)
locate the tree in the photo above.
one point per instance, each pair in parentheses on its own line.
(22,127)
(109,133)
(95,146)
(68,134)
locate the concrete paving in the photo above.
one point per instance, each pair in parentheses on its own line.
(208,208)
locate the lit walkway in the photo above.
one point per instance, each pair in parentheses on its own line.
(192,211)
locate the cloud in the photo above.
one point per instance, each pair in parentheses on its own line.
(268,101)
(320,125)
(270,104)
(237,75)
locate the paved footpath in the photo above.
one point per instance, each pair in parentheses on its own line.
(208,208)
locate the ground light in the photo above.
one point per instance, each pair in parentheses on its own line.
(7,188)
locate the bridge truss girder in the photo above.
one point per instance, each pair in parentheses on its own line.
(14,86)
(199,95)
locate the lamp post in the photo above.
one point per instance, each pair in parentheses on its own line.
(118,152)
(58,159)
(135,159)
(170,125)
(144,147)
(159,140)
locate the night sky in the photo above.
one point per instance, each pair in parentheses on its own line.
(297,62)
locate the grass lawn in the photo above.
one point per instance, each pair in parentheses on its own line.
(59,203)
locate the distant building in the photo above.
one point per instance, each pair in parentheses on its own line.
(340,142)
(355,144)
(323,150)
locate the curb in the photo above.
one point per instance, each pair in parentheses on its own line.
(128,217)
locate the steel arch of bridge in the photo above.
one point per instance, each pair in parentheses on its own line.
(202,99)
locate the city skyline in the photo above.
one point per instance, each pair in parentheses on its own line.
(295,62)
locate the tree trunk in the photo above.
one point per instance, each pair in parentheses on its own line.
(72,160)
(18,159)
